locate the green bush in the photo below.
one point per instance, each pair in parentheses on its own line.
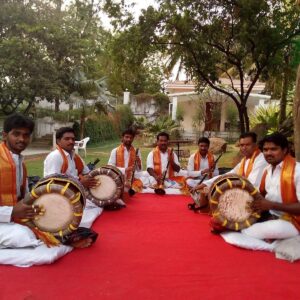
(100,129)
(123,118)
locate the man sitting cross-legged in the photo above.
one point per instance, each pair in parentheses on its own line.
(126,159)
(250,167)
(157,162)
(280,186)
(201,163)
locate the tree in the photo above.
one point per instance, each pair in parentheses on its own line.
(223,37)
(40,47)
(26,71)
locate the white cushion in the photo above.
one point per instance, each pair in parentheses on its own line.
(26,257)
(288,249)
(14,235)
(244,241)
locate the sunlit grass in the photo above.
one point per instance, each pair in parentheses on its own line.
(35,165)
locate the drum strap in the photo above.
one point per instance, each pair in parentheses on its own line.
(287,186)
(78,162)
(197,161)
(8,187)
(157,162)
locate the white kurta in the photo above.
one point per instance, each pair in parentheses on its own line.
(280,229)
(54,162)
(255,175)
(113,159)
(164,157)
(192,173)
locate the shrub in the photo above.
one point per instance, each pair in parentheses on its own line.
(100,129)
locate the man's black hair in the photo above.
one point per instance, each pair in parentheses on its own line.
(250,134)
(61,131)
(163,134)
(276,138)
(129,131)
(204,140)
(17,121)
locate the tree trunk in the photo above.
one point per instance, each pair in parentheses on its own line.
(296,115)
(56,105)
(82,119)
(241,118)
(246,119)
(284,92)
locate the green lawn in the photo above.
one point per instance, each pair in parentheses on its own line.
(35,165)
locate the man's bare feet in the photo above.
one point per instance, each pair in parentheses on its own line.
(82,243)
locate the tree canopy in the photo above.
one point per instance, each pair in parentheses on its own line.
(236,39)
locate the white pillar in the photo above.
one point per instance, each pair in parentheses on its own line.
(126,97)
(174,108)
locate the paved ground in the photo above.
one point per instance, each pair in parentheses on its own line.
(35,151)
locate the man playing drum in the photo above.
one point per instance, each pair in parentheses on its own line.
(280,186)
(201,163)
(157,162)
(63,160)
(250,167)
(126,158)
(13,175)
(16,134)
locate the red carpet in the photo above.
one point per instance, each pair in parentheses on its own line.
(155,249)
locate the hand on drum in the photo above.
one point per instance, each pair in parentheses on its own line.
(25,211)
(89,182)
(262,204)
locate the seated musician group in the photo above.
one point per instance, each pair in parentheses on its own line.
(273,170)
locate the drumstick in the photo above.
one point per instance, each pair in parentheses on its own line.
(215,164)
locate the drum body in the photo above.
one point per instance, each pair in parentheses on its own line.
(110,188)
(230,199)
(63,199)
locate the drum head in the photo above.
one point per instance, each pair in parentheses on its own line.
(106,189)
(58,213)
(110,188)
(230,200)
(63,199)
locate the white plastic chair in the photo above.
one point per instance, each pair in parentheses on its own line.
(81,145)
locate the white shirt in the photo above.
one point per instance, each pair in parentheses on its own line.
(164,157)
(273,187)
(113,159)
(203,165)
(6,211)
(255,175)
(54,162)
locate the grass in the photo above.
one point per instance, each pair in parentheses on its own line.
(35,165)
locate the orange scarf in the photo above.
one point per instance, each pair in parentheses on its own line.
(78,162)
(120,161)
(287,187)
(157,163)
(241,171)
(8,187)
(197,161)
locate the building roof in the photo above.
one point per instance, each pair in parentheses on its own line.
(177,86)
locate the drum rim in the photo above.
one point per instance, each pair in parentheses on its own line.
(214,195)
(119,190)
(78,205)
